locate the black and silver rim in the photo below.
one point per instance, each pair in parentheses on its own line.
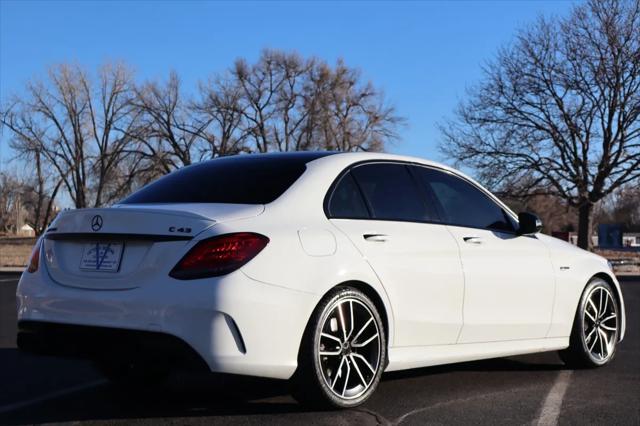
(600,324)
(349,348)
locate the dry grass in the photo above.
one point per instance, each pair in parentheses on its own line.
(15,251)
(632,260)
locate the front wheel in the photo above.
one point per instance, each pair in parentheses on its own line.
(596,328)
(343,352)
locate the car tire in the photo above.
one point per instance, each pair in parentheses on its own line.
(596,327)
(341,359)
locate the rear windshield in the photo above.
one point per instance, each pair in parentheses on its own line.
(238,179)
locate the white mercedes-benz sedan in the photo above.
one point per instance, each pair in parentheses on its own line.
(323,268)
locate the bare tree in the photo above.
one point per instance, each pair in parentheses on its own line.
(219,106)
(170,132)
(622,207)
(10,190)
(39,184)
(103,137)
(80,129)
(556,213)
(352,115)
(27,198)
(289,103)
(558,110)
(293,97)
(259,85)
(39,192)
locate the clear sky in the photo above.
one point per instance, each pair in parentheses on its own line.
(422,54)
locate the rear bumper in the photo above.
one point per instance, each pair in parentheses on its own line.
(233,323)
(102,343)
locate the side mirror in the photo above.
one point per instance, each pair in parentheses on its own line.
(529,224)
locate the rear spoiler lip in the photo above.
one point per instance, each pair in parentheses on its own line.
(93,236)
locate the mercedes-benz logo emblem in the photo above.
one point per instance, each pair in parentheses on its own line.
(96,223)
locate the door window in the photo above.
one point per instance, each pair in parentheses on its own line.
(462,203)
(346,201)
(392,193)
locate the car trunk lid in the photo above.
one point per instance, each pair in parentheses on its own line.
(126,246)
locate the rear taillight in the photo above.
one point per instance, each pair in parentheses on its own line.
(219,255)
(34,262)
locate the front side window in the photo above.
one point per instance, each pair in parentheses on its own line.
(391,192)
(463,204)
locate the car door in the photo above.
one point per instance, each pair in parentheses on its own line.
(380,208)
(509,280)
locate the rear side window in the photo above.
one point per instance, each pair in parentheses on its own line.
(462,203)
(346,201)
(239,179)
(391,192)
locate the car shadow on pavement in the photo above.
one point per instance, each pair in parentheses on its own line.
(28,383)
(547,361)
(184,396)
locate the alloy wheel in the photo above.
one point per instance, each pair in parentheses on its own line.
(600,324)
(348,348)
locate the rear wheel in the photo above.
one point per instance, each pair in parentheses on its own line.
(343,352)
(596,326)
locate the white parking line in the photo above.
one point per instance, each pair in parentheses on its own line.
(552,406)
(62,392)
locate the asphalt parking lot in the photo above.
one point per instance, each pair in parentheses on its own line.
(533,389)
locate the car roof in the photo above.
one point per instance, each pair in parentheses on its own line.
(355,157)
(338,157)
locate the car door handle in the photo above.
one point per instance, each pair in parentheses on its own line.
(379,238)
(472,240)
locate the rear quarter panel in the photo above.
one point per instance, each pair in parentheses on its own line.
(284,262)
(306,252)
